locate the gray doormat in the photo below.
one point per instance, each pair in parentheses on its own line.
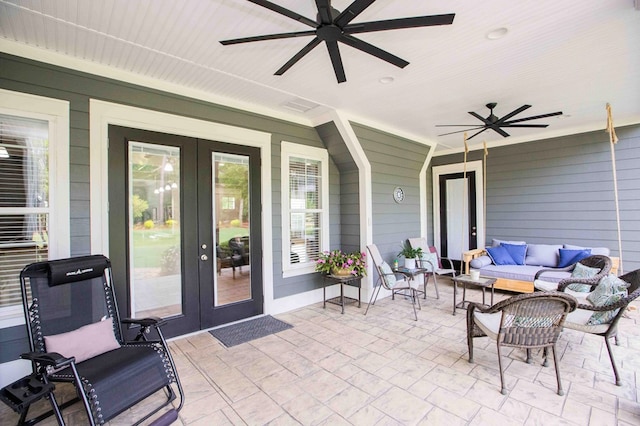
(246,331)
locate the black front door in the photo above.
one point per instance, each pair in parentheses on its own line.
(458,221)
(184,228)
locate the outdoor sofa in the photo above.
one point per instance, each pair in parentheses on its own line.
(531,259)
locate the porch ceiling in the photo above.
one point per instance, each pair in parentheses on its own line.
(570,56)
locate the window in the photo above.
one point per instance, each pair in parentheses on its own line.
(305,207)
(228,203)
(30,228)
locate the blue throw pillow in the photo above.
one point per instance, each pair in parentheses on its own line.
(517,252)
(569,257)
(500,256)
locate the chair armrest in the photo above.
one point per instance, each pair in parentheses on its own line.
(565,269)
(53,359)
(468,256)
(563,284)
(145,322)
(145,327)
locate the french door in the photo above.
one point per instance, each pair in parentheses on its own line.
(184,228)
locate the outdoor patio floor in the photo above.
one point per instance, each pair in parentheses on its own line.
(387,369)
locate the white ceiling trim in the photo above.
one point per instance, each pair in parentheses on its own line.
(64,61)
(476,144)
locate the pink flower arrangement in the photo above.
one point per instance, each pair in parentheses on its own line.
(330,261)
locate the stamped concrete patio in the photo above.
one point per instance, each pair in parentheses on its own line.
(386,369)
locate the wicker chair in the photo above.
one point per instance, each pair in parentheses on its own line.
(395,282)
(594,261)
(527,321)
(432,270)
(609,329)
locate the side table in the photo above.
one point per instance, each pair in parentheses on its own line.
(411,276)
(342,280)
(465,279)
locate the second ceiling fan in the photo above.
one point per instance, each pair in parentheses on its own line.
(497,124)
(333,26)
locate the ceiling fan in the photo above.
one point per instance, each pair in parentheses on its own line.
(494,123)
(333,26)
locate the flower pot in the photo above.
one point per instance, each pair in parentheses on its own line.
(341,272)
(410,263)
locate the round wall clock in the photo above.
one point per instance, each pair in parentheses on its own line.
(398,194)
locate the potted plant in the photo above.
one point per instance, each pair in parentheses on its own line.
(410,255)
(337,262)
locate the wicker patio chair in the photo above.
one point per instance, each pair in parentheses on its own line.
(576,321)
(434,268)
(527,321)
(395,282)
(594,261)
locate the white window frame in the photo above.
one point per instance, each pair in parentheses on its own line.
(56,113)
(289,150)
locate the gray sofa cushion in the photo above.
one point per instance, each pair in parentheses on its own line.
(543,255)
(521,272)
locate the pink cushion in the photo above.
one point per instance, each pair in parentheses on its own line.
(84,342)
(432,249)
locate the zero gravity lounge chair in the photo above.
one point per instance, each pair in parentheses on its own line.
(75,336)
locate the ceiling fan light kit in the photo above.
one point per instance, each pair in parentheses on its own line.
(333,27)
(497,124)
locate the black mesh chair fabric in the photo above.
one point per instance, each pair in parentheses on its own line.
(110,382)
(117,387)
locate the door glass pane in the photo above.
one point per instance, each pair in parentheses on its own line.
(457,219)
(154,230)
(230,197)
(24,202)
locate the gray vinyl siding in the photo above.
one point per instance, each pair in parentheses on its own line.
(561,190)
(283,287)
(395,161)
(348,208)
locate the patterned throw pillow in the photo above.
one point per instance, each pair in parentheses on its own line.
(582,271)
(429,261)
(610,290)
(389,276)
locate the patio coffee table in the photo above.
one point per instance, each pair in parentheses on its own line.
(465,279)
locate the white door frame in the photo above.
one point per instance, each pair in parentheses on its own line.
(472,166)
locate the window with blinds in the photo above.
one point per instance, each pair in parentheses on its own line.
(24,200)
(305,207)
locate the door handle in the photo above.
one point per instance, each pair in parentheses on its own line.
(473,234)
(204,257)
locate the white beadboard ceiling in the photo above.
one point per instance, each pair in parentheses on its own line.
(572,56)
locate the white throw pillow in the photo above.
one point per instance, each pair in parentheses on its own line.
(84,342)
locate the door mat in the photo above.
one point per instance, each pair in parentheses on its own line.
(246,331)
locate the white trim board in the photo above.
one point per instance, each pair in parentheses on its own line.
(472,166)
